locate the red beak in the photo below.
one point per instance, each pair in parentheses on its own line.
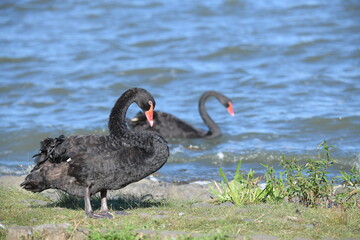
(149,115)
(230,109)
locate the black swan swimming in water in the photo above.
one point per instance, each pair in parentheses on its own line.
(170,126)
(86,164)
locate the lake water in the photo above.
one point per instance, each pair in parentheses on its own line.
(292,69)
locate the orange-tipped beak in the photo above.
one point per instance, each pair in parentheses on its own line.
(230,109)
(149,115)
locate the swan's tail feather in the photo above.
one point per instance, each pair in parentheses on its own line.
(49,150)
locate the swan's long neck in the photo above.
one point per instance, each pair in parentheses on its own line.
(117,122)
(119,130)
(214,130)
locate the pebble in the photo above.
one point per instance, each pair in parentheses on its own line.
(226,204)
(202,205)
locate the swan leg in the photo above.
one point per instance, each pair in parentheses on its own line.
(104,210)
(88,209)
(104,206)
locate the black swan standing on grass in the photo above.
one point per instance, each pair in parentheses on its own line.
(170,126)
(86,164)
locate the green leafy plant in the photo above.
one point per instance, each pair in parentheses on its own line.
(275,189)
(351,179)
(241,190)
(307,184)
(351,182)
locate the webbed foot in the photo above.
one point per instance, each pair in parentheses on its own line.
(100,215)
(106,214)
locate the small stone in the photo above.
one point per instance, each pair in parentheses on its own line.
(19,232)
(47,227)
(263,237)
(309,226)
(248,220)
(78,235)
(202,205)
(171,234)
(83,230)
(123,213)
(226,204)
(53,231)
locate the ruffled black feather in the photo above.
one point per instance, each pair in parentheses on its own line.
(48,151)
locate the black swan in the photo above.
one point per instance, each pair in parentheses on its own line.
(86,164)
(170,126)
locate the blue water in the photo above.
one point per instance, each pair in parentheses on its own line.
(291,68)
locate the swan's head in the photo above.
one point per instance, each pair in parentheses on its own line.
(230,108)
(226,102)
(147,103)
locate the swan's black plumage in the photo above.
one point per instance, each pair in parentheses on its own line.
(170,126)
(83,165)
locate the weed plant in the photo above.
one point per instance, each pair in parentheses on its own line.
(243,189)
(349,197)
(306,184)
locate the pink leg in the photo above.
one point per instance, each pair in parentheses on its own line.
(104,206)
(88,209)
(104,209)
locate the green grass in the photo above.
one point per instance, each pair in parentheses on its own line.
(15,210)
(304,214)
(285,220)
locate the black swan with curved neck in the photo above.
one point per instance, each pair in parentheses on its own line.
(83,165)
(170,126)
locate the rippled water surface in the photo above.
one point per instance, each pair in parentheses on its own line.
(292,69)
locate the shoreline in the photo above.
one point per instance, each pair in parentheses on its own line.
(188,205)
(150,186)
